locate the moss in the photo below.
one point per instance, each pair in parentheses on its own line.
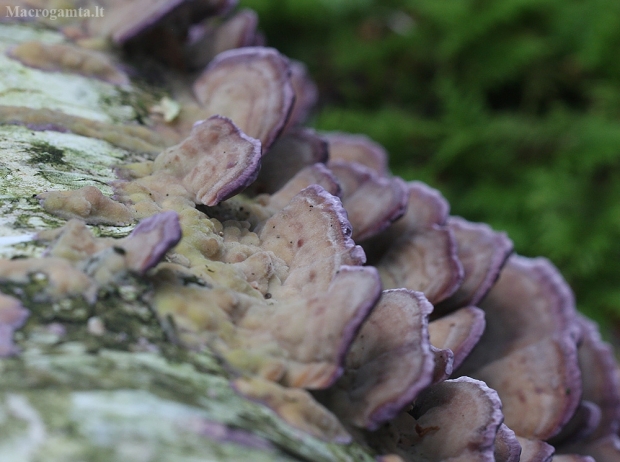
(44,153)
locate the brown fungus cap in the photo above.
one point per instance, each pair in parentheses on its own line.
(372,201)
(215,162)
(528,352)
(389,362)
(482,252)
(252,87)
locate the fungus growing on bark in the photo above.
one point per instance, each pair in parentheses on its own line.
(357,148)
(389,363)
(68,58)
(12,316)
(528,351)
(432,431)
(482,252)
(261,274)
(252,87)
(372,201)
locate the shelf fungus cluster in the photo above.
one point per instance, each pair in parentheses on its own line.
(344,299)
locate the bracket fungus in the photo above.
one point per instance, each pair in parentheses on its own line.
(243,83)
(248,259)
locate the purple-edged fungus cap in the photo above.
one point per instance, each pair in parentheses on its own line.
(444,363)
(215,162)
(528,351)
(372,201)
(357,148)
(150,240)
(425,208)
(584,421)
(507,447)
(482,252)
(605,449)
(208,39)
(599,375)
(296,149)
(535,450)
(389,362)
(433,431)
(317,174)
(424,261)
(458,332)
(131,19)
(572,458)
(12,316)
(306,94)
(316,312)
(252,87)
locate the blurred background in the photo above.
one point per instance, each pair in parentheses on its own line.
(511,108)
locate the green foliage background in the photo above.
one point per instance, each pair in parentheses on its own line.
(510,107)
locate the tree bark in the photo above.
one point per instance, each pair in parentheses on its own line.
(74,393)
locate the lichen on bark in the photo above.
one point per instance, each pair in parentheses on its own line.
(105,381)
